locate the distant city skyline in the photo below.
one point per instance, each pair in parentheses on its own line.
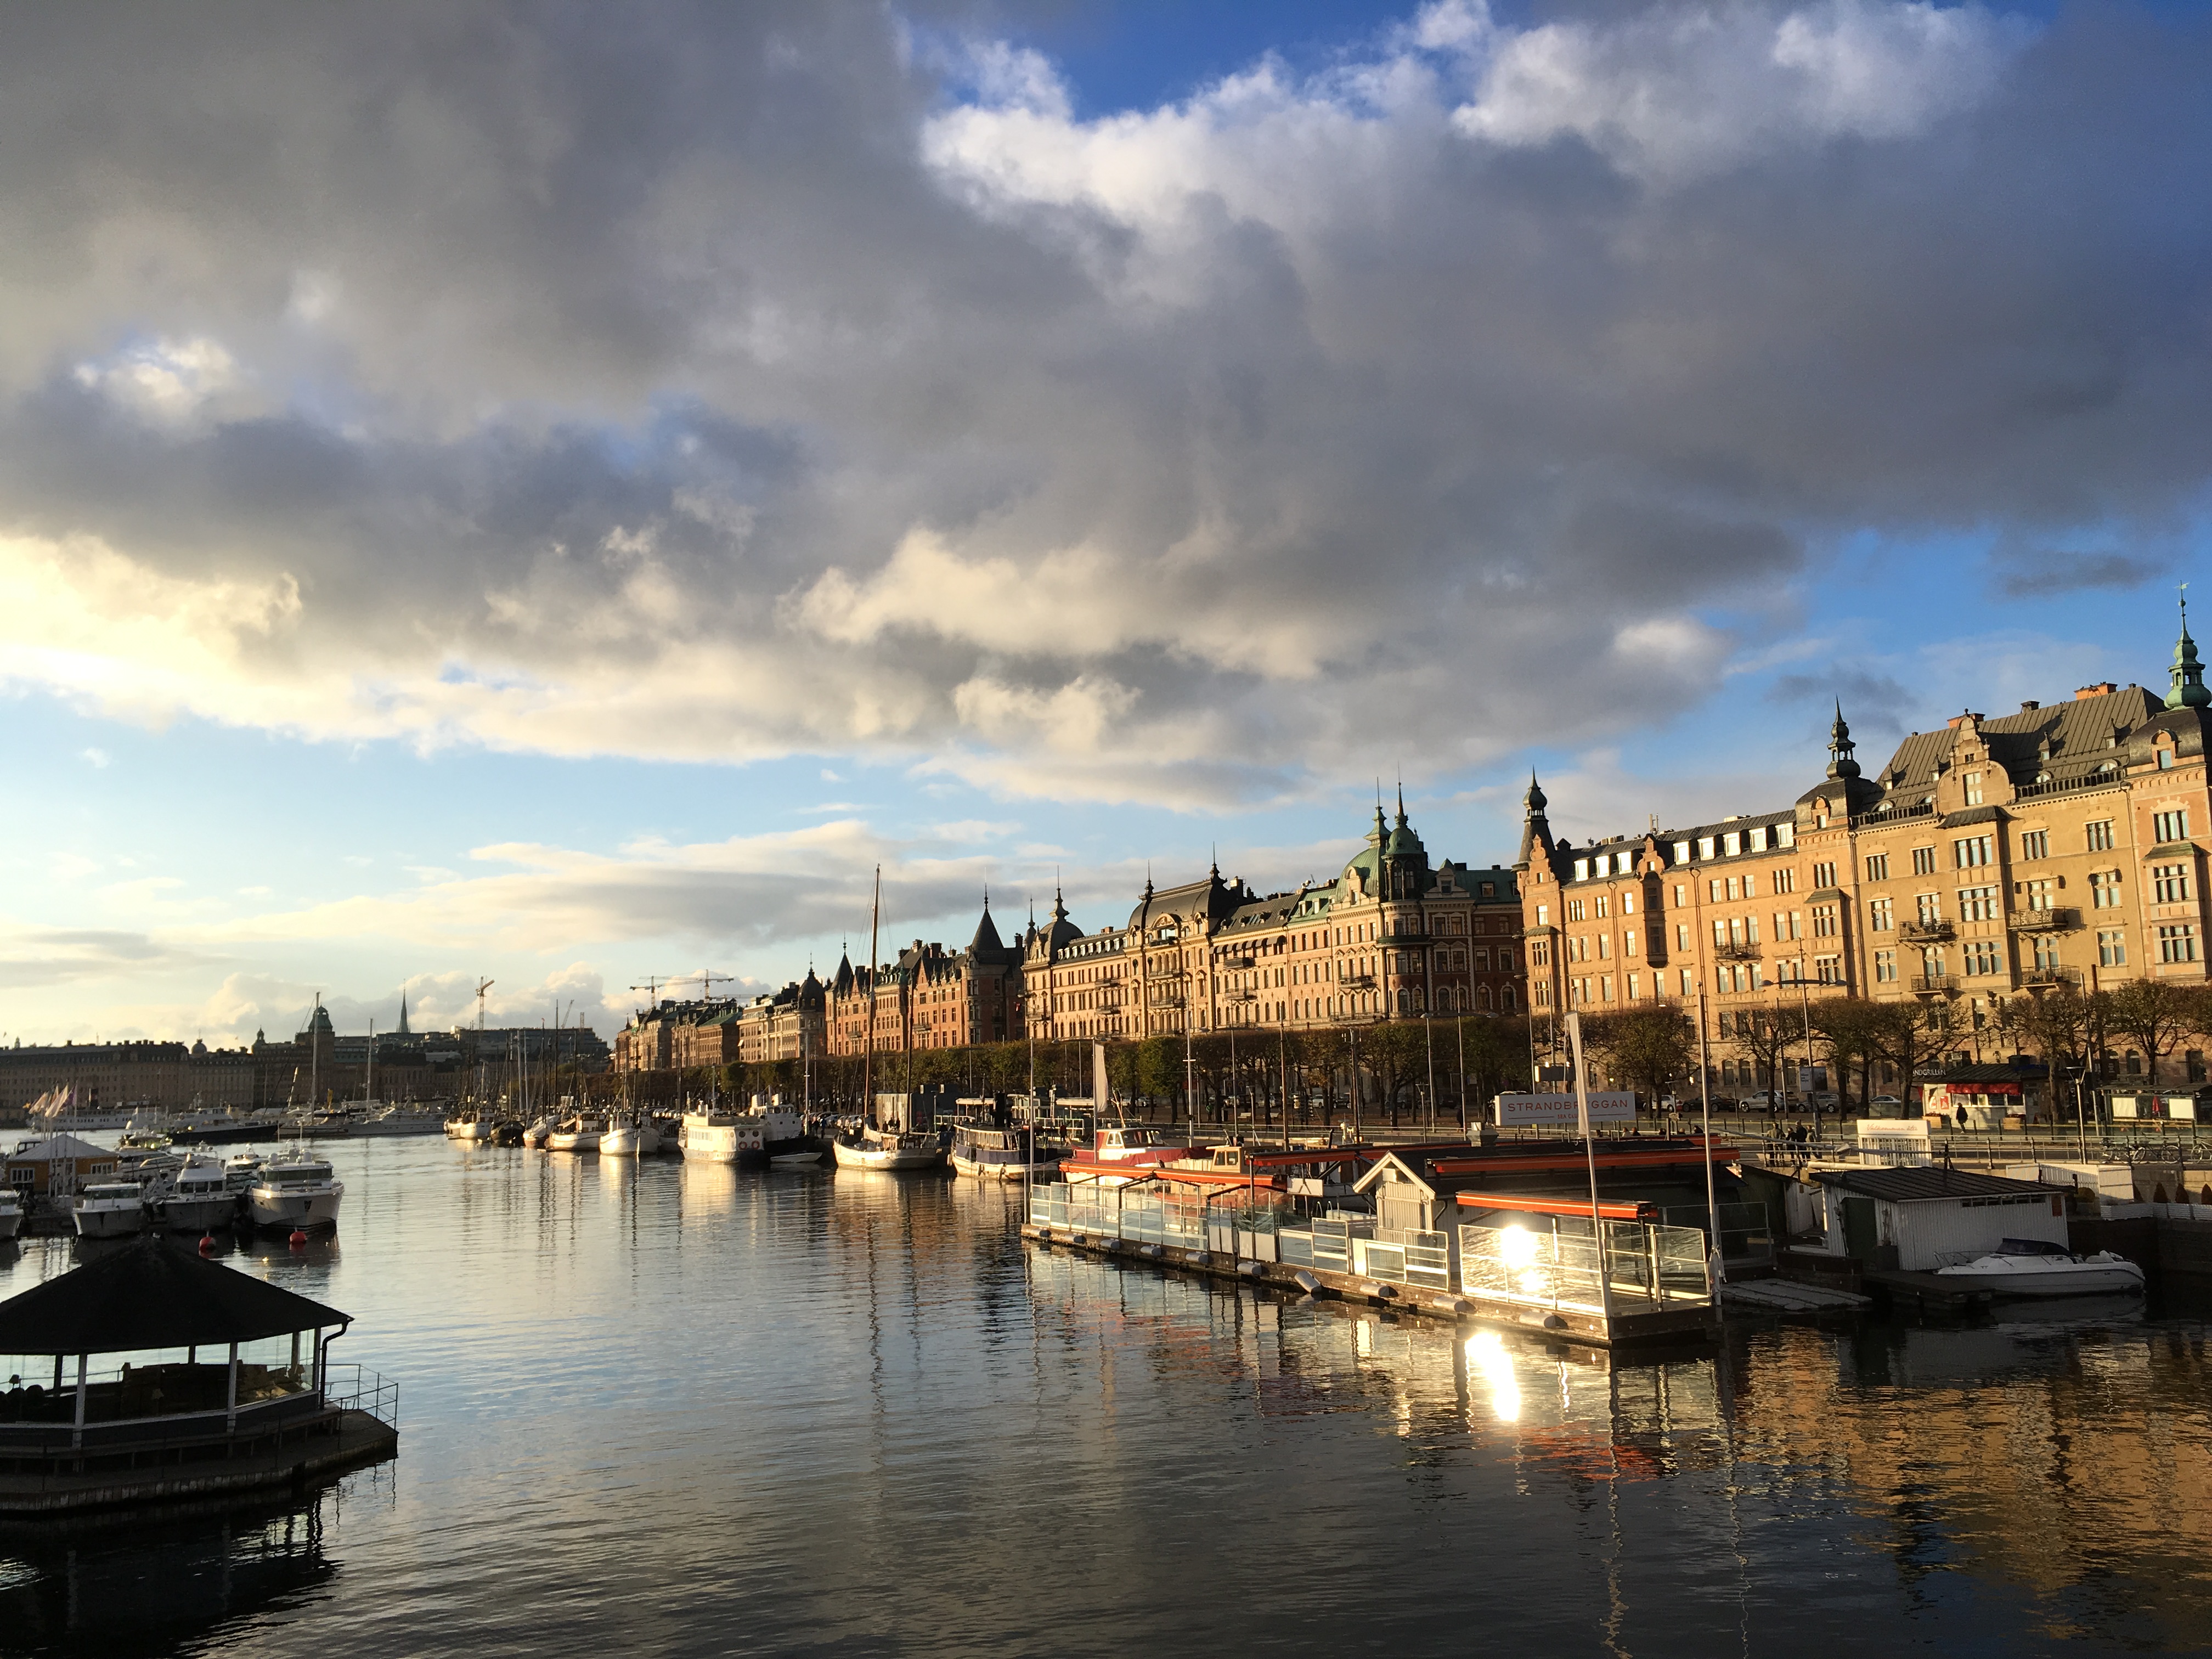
(1016,445)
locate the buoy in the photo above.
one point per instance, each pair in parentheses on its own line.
(299,1238)
(207,1244)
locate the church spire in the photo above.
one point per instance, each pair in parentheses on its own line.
(2188,690)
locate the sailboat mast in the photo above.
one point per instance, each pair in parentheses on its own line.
(368,1083)
(868,1064)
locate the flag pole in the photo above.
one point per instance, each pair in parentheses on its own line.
(1574,1023)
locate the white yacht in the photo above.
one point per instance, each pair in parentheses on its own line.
(396,1121)
(632,1136)
(2039,1270)
(109,1209)
(470,1125)
(296,1190)
(878,1149)
(577,1134)
(11,1214)
(197,1197)
(718,1134)
(241,1170)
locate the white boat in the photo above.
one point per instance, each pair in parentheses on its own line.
(11,1214)
(577,1134)
(792,1160)
(538,1132)
(630,1138)
(718,1134)
(1018,1154)
(874,1149)
(2041,1270)
(295,1191)
(196,1197)
(109,1209)
(468,1125)
(396,1121)
(241,1170)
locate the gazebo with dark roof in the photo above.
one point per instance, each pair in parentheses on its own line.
(167,1427)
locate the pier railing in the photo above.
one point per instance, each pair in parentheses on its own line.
(1552,1261)
(357,1388)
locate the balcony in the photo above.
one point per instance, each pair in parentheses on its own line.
(1926,933)
(2042,978)
(1736,951)
(1938,985)
(2057,919)
(1236,962)
(1359,981)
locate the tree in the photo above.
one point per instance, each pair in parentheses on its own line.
(1645,1048)
(1849,1027)
(2152,1014)
(1397,1053)
(1905,1034)
(1766,1037)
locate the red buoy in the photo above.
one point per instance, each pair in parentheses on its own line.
(207,1244)
(299,1238)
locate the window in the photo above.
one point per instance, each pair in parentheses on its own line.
(1576,911)
(2104,890)
(1923,861)
(1787,925)
(2035,844)
(1713,890)
(1704,846)
(1930,908)
(1543,915)
(1885,967)
(1757,838)
(1877,868)
(1720,932)
(1734,890)
(1682,852)
(1824,875)
(2042,895)
(2100,836)
(2178,942)
(1582,869)
(2166,760)
(1751,886)
(1824,922)
(1977,904)
(1971,851)
(1681,895)
(1882,915)
(2169,885)
(2047,952)
(1732,843)
(1973,783)
(2170,826)
(2194,1060)
(1785,881)
(1981,956)
(2112,948)
(1628,942)
(1829,970)
(1601,906)
(1682,936)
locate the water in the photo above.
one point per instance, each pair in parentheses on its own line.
(675,1409)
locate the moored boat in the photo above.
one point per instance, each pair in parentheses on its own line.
(471,1124)
(581,1134)
(1121,1152)
(11,1214)
(295,1191)
(2030,1267)
(1018,1154)
(196,1197)
(718,1134)
(109,1209)
(879,1149)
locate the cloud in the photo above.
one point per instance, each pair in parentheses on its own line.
(2045,572)
(751,381)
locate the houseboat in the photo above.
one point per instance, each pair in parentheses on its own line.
(716,1133)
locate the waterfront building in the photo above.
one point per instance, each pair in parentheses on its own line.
(930,998)
(1390,936)
(2055,845)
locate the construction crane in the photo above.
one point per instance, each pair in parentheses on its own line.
(481,989)
(652,987)
(707,984)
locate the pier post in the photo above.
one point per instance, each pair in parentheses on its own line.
(77,1434)
(230,1403)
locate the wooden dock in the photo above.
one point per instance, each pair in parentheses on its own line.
(1923,1292)
(1662,1325)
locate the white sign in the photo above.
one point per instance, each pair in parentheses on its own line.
(1523,1109)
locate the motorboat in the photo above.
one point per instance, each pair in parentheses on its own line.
(536,1134)
(721,1134)
(196,1197)
(783,1131)
(792,1160)
(109,1209)
(241,1170)
(881,1149)
(1121,1152)
(471,1125)
(1018,1154)
(577,1134)
(630,1137)
(2036,1268)
(11,1214)
(396,1121)
(295,1191)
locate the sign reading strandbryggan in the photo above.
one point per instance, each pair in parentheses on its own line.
(1526,1109)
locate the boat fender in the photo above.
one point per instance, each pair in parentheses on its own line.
(207,1244)
(1251,1269)
(1307,1282)
(299,1239)
(1553,1322)
(1155,1251)
(1386,1292)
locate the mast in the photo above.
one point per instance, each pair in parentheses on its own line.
(368,1083)
(314,1053)
(868,1064)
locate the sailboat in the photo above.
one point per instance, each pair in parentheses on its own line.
(871,1146)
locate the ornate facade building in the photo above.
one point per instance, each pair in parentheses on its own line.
(2055,845)
(1390,936)
(930,997)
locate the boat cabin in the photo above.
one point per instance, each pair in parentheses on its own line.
(1920,1219)
(1123,1140)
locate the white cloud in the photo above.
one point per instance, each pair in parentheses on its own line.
(166,380)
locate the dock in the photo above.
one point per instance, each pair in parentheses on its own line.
(1790,1296)
(1566,1323)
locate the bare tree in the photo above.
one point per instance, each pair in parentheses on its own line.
(2152,1014)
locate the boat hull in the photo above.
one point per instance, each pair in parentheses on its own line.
(2087,1279)
(308,1211)
(792,1160)
(199,1215)
(11,1223)
(978,1169)
(118,1223)
(887,1157)
(574,1141)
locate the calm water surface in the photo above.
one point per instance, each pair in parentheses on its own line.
(676,1409)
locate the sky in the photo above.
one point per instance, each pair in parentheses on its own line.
(557,496)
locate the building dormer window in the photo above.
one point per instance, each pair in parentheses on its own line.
(1973,783)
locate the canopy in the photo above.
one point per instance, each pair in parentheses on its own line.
(153,1295)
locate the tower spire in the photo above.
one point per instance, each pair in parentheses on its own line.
(1840,762)
(2188,690)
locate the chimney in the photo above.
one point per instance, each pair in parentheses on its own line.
(2101,689)
(2029,705)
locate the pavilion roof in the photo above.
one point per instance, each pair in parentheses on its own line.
(155,1294)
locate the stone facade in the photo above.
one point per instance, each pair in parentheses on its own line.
(2055,845)
(1389,937)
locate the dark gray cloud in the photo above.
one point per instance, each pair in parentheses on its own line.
(719,381)
(2042,573)
(1871,702)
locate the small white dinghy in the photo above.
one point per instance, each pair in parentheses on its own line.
(2033,1267)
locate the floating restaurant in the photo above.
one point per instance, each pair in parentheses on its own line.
(152,1375)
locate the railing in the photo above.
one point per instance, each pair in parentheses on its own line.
(2059,918)
(1736,950)
(1924,984)
(1891,815)
(2069,785)
(356,1389)
(1745,1235)
(2043,976)
(1646,1265)
(1926,933)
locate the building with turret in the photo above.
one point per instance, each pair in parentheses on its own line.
(2055,845)
(1390,936)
